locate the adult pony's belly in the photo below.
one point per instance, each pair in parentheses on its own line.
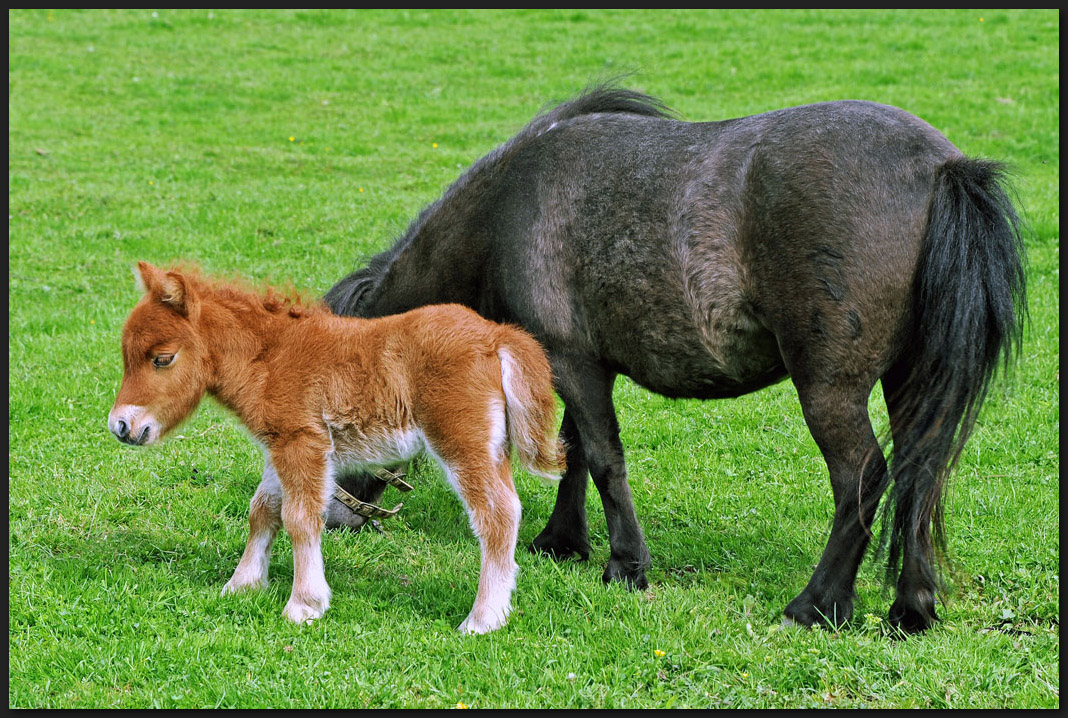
(688,370)
(664,350)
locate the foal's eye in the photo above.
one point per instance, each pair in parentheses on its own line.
(163,360)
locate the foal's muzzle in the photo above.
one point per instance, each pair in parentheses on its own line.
(122,433)
(124,424)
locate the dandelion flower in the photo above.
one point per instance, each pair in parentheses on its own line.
(292,138)
(461,704)
(434,145)
(658,653)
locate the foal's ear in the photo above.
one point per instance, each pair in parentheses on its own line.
(145,276)
(171,288)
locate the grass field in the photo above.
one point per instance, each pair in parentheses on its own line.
(286,146)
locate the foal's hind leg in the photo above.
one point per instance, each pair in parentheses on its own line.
(494,510)
(264,520)
(566,533)
(837,416)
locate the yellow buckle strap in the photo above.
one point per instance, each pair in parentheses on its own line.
(362,507)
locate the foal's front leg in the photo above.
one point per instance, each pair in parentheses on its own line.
(302,471)
(264,519)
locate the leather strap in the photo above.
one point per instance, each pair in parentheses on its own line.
(362,507)
(393,478)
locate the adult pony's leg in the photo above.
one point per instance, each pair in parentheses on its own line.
(913,609)
(567,534)
(264,520)
(837,416)
(587,394)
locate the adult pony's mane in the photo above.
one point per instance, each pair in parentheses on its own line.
(345,297)
(239,292)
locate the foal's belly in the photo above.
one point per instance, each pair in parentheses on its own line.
(355,449)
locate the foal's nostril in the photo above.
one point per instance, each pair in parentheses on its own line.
(121,430)
(143,436)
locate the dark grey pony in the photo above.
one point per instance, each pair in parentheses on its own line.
(838,244)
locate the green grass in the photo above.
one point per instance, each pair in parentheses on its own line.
(286,145)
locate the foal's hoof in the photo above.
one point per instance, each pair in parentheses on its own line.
(483,624)
(303,612)
(238,585)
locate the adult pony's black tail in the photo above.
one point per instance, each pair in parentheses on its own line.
(969,307)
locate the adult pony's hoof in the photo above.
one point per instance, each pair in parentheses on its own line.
(559,548)
(790,624)
(632,576)
(912,619)
(831,614)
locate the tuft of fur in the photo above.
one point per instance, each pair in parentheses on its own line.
(530,409)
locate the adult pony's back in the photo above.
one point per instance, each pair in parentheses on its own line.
(839,244)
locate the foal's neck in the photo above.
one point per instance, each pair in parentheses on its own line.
(243,332)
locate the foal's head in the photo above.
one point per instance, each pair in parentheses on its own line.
(165,361)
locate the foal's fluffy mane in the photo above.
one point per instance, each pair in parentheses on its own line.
(285,299)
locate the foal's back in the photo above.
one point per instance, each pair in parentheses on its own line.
(419,352)
(428,378)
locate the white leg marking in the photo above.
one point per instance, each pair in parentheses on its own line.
(497,578)
(310,596)
(264,520)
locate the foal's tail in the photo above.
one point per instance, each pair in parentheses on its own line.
(530,405)
(969,306)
